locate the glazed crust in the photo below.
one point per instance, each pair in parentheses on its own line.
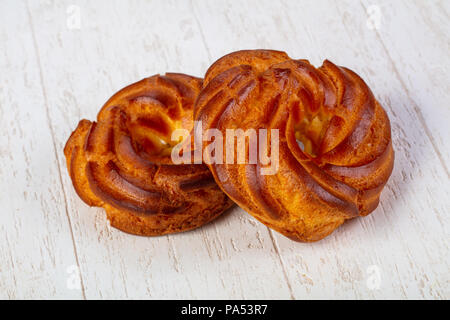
(122,161)
(346,157)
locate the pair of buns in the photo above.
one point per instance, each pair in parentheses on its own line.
(335,150)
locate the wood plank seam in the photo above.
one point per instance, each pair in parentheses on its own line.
(202,34)
(289,285)
(44,93)
(408,94)
(283,265)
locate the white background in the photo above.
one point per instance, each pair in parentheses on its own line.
(61,60)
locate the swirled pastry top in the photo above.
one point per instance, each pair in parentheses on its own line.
(335,151)
(122,161)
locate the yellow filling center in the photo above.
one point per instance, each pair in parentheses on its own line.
(310,131)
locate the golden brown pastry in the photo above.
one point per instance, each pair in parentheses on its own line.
(335,151)
(122,162)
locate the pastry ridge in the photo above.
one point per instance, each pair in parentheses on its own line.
(122,162)
(335,149)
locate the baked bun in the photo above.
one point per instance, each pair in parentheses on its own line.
(123,162)
(335,151)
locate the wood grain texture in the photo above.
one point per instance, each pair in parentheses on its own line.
(54,75)
(35,234)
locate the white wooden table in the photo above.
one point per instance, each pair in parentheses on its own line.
(61,60)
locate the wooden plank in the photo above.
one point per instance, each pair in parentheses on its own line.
(36,246)
(119,43)
(420,61)
(413,229)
